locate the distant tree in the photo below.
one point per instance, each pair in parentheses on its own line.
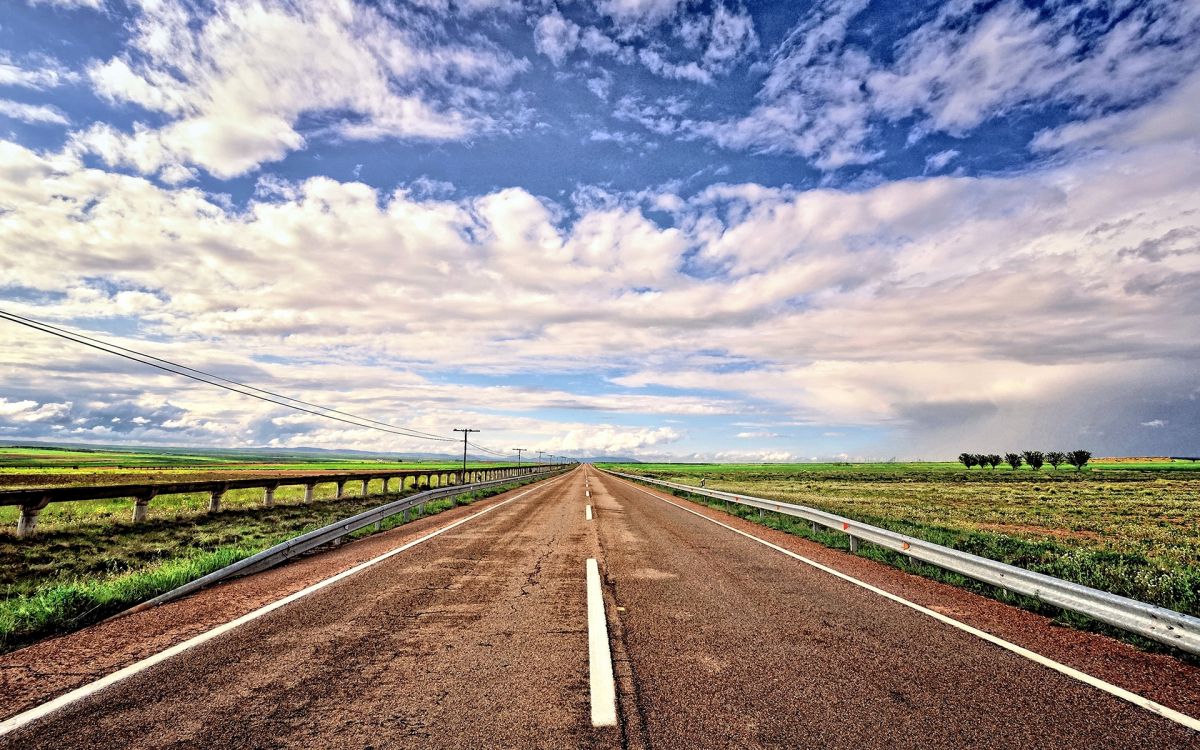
(1056,458)
(1079,459)
(1035,459)
(967,459)
(991,460)
(1014,460)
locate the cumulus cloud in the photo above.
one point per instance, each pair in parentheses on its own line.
(555,37)
(942,310)
(605,439)
(234,83)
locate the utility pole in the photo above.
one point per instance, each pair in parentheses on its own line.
(519,452)
(466,433)
(540,454)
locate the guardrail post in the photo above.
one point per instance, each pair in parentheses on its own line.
(365,483)
(268,496)
(29,515)
(854,544)
(308,493)
(341,489)
(387,482)
(214,501)
(141,506)
(816,527)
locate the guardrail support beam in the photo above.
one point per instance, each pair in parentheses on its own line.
(308,493)
(341,489)
(268,496)
(28,520)
(854,544)
(141,506)
(214,501)
(365,483)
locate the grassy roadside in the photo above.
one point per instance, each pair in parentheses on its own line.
(61,581)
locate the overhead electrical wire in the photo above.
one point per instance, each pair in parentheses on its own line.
(55,330)
(487,450)
(253,392)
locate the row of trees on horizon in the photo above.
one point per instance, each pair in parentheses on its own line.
(1033,459)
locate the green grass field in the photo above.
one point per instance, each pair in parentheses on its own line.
(1124,528)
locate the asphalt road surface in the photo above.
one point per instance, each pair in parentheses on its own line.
(478,638)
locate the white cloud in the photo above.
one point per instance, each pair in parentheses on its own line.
(963,305)
(555,37)
(1155,423)
(40,73)
(612,440)
(632,14)
(32,411)
(235,83)
(32,113)
(71,4)
(1173,117)
(937,162)
(825,98)
(713,42)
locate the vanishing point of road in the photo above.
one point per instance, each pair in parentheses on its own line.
(587,612)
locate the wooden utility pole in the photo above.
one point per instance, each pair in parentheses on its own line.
(519,452)
(466,433)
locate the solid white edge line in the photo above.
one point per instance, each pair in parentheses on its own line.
(20,720)
(587,512)
(600,669)
(1137,700)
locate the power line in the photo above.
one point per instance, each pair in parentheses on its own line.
(185,371)
(487,450)
(55,330)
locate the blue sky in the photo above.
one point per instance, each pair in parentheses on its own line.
(701,230)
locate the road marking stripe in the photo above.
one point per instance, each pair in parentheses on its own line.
(1137,700)
(587,512)
(600,668)
(66,699)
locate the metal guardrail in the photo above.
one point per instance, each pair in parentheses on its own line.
(285,551)
(34,499)
(1157,623)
